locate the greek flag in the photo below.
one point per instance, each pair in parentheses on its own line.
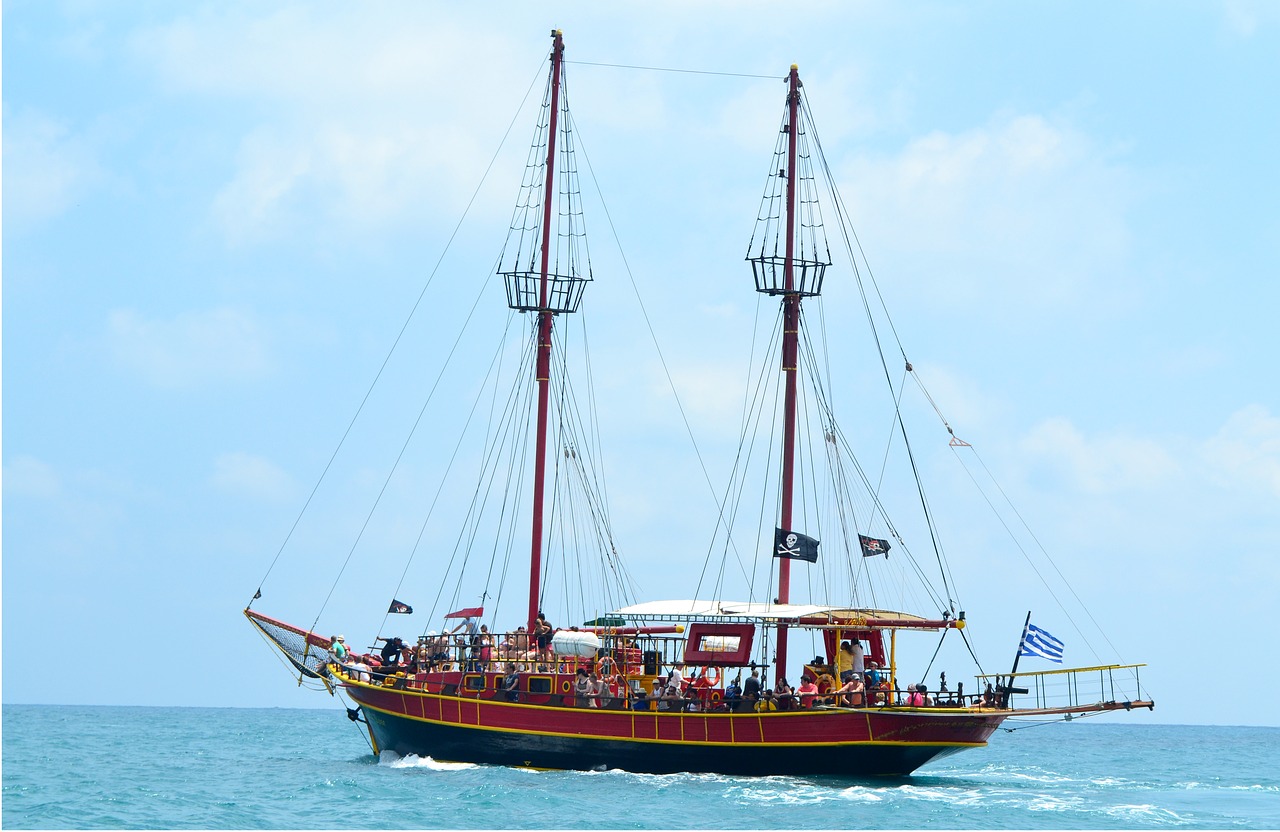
(1038,642)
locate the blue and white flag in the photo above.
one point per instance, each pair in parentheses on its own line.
(1038,642)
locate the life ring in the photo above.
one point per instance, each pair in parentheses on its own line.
(609,663)
(703,675)
(826,683)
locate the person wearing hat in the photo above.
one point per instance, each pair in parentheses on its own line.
(338,649)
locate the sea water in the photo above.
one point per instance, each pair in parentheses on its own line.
(198,768)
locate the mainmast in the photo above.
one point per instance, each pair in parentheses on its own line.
(792,275)
(790,339)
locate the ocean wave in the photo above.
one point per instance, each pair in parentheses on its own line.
(393,760)
(1145,813)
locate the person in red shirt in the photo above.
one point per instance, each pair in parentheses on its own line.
(807,690)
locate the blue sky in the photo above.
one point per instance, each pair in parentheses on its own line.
(216,217)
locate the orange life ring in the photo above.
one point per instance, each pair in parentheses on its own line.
(826,683)
(705,671)
(607,661)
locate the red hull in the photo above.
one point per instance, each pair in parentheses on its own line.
(822,741)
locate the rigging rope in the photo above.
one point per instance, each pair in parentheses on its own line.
(673,69)
(404,446)
(654,337)
(430,278)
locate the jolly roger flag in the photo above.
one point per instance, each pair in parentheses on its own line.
(872,546)
(788,544)
(400,607)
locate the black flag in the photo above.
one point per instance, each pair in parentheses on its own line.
(872,546)
(788,544)
(400,607)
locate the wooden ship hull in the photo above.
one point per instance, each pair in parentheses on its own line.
(833,741)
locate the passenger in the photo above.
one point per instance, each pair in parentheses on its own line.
(338,649)
(511,684)
(808,691)
(422,656)
(751,690)
(733,694)
(439,646)
(655,699)
(852,694)
(783,695)
(859,665)
(542,631)
(672,696)
(872,677)
(917,699)
(360,669)
(767,703)
(486,645)
(390,652)
(582,688)
(598,692)
(675,678)
(989,697)
(844,662)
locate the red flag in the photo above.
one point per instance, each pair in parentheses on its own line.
(469,612)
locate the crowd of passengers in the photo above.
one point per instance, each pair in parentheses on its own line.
(861,683)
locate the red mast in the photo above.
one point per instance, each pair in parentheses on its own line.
(545,316)
(790,340)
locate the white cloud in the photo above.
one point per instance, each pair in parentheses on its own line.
(359,123)
(30,477)
(1023,210)
(47,167)
(1243,17)
(251,476)
(1106,464)
(1245,453)
(191,349)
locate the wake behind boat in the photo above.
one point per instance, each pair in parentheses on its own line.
(683,685)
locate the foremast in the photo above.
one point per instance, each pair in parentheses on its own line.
(545,317)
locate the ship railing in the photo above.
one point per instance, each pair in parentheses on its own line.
(1079,689)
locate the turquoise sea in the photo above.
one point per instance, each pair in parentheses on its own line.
(197,768)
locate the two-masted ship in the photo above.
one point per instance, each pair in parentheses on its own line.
(680,685)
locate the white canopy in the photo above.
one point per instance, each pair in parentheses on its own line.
(738,610)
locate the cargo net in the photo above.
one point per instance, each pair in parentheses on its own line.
(307,652)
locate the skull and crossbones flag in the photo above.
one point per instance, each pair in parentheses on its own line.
(789,544)
(872,546)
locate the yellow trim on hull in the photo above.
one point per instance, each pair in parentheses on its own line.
(612,738)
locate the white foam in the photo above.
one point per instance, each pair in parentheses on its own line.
(394,760)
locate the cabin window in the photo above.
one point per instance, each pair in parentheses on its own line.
(539,684)
(474,682)
(719,644)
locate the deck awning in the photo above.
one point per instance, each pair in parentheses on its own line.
(805,615)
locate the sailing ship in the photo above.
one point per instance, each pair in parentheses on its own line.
(678,685)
